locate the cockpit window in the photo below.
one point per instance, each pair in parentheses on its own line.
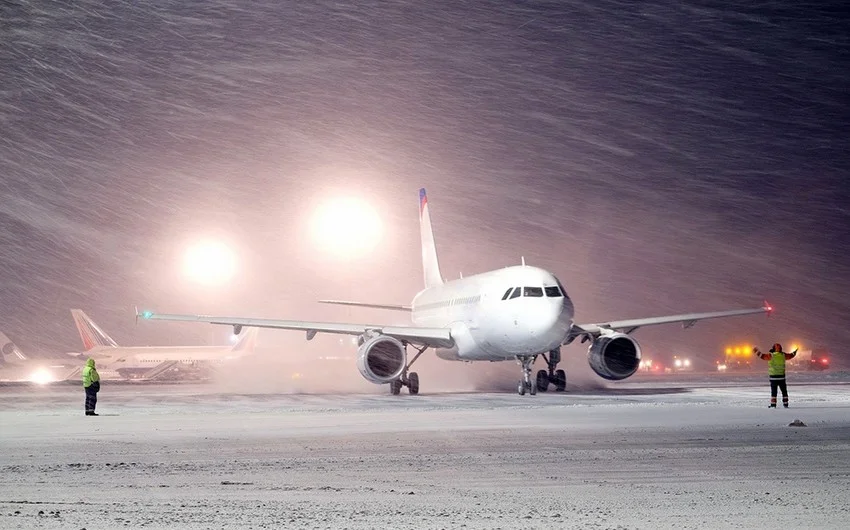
(505,296)
(516,293)
(535,292)
(552,292)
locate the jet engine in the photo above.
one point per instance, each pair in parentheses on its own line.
(614,356)
(381,359)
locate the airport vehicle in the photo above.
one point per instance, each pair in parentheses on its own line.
(515,313)
(810,360)
(738,359)
(682,364)
(149,362)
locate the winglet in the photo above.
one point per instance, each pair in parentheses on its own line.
(768,308)
(144,315)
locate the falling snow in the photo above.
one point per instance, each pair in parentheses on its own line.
(661,157)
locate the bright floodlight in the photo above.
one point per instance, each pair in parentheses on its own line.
(209,262)
(346,226)
(42,376)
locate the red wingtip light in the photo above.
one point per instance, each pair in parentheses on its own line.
(768,307)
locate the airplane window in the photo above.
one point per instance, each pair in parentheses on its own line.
(505,297)
(535,292)
(552,292)
(516,293)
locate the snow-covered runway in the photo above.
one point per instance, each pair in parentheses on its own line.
(644,455)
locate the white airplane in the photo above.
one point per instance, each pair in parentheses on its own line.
(516,313)
(15,365)
(148,361)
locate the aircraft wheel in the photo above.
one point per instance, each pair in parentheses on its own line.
(395,387)
(413,383)
(532,388)
(560,380)
(542,381)
(521,388)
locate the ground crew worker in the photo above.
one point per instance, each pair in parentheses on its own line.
(776,370)
(91,384)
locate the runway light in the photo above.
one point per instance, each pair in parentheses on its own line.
(677,363)
(41,376)
(687,362)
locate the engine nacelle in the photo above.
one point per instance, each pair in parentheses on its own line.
(614,357)
(381,359)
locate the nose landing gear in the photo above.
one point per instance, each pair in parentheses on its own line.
(544,378)
(526,384)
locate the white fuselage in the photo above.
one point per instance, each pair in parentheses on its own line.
(150,356)
(490,323)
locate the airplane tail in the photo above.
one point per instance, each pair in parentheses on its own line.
(90,332)
(247,342)
(10,351)
(430,264)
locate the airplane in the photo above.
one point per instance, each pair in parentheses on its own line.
(515,313)
(15,365)
(146,362)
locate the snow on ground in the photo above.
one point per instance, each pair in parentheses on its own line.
(640,455)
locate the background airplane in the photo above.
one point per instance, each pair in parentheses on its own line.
(147,362)
(515,313)
(15,365)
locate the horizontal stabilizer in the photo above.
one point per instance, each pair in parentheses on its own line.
(391,307)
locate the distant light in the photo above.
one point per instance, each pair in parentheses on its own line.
(41,376)
(737,350)
(687,362)
(147,314)
(677,363)
(728,351)
(824,361)
(209,262)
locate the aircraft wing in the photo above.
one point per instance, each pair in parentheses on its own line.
(373,306)
(432,337)
(687,320)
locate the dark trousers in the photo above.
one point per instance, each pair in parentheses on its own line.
(91,399)
(778,383)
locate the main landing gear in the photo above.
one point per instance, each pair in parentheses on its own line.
(410,380)
(544,377)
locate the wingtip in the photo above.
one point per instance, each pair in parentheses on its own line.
(768,308)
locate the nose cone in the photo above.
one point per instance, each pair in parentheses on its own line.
(541,325)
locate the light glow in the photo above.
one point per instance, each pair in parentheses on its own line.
(42,376)
(346,226)
(209,262)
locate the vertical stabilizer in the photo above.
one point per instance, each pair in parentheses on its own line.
(430,264)
(90,332)
(10,351)
(247,341)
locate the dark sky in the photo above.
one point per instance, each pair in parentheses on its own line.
(659,157)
